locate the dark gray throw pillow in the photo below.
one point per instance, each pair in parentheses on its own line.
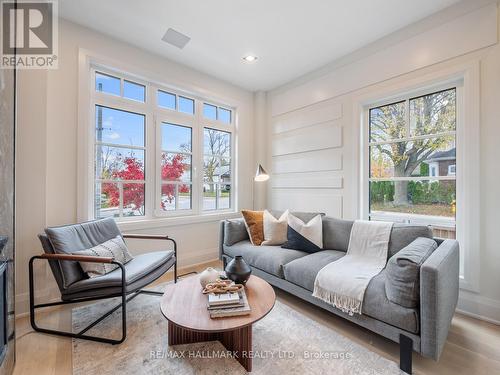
(402,284)
(234,231)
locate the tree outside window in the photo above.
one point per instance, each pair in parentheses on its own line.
(412,145)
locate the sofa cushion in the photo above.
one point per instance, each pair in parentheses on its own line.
(303,271)
(270,259)
(336,233)
(234,231)
(403,272)
(404,234)
(71,238)
(377,305)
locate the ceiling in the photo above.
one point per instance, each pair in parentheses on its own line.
(290,37)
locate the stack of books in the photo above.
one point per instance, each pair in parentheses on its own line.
(228,304)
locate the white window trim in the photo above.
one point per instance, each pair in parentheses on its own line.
(468,157)
(88,60)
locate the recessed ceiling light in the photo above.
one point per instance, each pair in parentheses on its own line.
(250,58)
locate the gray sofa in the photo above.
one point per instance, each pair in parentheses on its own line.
(422,328)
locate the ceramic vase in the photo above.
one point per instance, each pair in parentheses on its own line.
(238,270)
(208,276)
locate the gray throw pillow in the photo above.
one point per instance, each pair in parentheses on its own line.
(404,234)
(235,231)
(402,284)
(114,248)
(336,233)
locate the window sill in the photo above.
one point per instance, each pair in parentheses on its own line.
(445,222)
(162,222)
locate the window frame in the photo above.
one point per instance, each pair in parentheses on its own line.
(155,115)
(465,76)
(118,182)
(231,183)
(406,99)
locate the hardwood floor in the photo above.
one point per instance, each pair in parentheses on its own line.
(473,346)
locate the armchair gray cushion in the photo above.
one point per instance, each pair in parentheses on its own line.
(402,285)
(68,239)
(139,272)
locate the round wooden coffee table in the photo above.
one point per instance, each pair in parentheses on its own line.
(185,307)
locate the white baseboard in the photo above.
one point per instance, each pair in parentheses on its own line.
(479,307)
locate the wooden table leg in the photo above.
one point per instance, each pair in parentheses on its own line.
(178,335)
(238,341)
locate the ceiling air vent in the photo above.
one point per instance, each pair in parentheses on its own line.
(176,38)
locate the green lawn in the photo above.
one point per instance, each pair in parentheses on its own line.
(419,209)
(209,194)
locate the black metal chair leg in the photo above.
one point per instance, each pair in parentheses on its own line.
(80,334)
(405,353)
(175,254)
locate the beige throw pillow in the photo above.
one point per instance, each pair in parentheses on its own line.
(114,248)
(275,229)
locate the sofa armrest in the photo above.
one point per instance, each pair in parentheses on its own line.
(439,283)
(222,225)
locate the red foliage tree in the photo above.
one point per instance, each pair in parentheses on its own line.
(171,170)
(133,193)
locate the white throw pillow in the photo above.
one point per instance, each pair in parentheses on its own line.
(275,229)
(305,237)
(114,248)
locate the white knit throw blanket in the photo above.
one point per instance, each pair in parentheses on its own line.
(343,283)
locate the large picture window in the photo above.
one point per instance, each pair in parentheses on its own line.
(149,143)
(412,161)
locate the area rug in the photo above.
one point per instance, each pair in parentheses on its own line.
(284,342)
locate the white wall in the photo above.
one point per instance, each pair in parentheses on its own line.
(47,144)
(314,147)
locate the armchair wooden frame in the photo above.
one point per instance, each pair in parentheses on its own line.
(125,296)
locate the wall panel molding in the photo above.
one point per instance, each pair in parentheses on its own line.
(314,161)
(315,114)
(313,200)
(307,180)
(317,137)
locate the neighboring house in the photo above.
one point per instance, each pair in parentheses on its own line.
(442,163)
(224,173)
